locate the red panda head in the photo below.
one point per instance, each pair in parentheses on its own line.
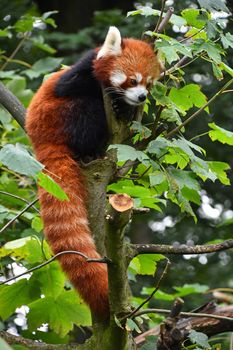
(128,66)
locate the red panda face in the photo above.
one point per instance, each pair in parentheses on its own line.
(128,66)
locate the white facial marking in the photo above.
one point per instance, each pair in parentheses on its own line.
(138,77)
(149,79)
(117,78)
(132,95)
(112,43)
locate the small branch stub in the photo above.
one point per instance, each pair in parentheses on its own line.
(121,202)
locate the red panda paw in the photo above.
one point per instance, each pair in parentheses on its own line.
(122,109)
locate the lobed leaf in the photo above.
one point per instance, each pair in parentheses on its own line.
(220,134)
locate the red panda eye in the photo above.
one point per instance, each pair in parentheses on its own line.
(133,82)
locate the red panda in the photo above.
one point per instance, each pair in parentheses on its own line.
(66,122)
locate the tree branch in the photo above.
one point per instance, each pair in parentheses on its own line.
(210,319)
(165,20)
(134,312)
(18,215)
(175,330)
(104,260)
(187,314)
(35,345)
(12,104)
(161,16)
(182,249)
(19,198)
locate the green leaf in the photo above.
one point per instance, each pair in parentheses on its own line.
(136,191)
(48,14)
(211,5)
(227,40)
(141,129)
(196,34)
(13,296)
(158,92)
(213,50)
(125,152)
(132,326)
(170,114)
(187,97)
(5,33)
(199,339)
(169,52)
(24,24)
(184,179)
(188,289)
(217,71)
(51,279)
(219,169)
(150,202)
(220,134)
(36,251)
(17,158)
(157,177)
(191,195)
(37,224)
(51,186)
(4,345)
(61,313)
(40,44)
(192,16)
(146,264)
(28,248)
(43,66)
(144,11)
(18,87)
(160,295)
(179,157)
(158,146)
(177,20)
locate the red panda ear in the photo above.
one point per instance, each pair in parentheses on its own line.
(112,43)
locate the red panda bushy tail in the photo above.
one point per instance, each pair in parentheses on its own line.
(65,222)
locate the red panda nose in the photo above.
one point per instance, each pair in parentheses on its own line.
(142,97)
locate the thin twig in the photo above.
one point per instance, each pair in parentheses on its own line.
(182,249)
(104,260)
(154,291)
(25,64)
(161,16)
(195,114)
(188,314)
(14,52)
(191,36)
(19,198)
(18,215)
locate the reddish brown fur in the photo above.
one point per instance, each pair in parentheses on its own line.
(137,57)
(65,222)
